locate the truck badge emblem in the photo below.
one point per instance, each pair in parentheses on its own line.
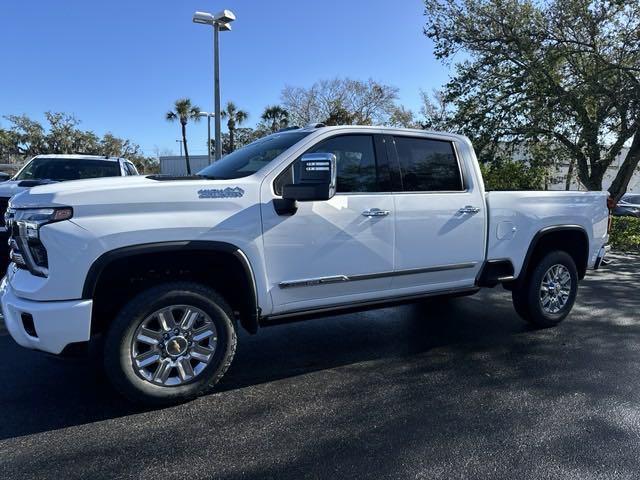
(229,192)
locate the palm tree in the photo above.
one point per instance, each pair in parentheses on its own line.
(277,116)
(183,111)
(235,118)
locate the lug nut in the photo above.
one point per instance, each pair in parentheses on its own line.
(176,331)
(161,345)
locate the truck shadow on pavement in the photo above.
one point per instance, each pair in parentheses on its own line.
(42,392)
(429,356)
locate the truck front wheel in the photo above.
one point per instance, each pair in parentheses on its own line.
(549,290)
(170,343)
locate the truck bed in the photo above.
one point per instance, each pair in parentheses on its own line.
(515,217)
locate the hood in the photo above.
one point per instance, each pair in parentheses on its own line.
(113,195)
(11,188)
(55,193)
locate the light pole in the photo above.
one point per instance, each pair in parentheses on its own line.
(220,22)
(208,115)
(180,142)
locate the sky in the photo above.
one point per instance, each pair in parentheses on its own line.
(119,65)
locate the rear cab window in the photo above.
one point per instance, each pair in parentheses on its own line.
(428,165)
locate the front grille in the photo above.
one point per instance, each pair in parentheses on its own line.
(4,203)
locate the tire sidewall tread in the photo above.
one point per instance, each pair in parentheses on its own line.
(526,299)
(117,361)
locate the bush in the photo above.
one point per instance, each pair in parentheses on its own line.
(501,174)
(625,234)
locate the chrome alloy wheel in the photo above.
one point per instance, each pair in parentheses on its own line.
(555,289)
(173,345)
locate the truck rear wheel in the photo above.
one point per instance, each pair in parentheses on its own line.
(549,291)
(170,343)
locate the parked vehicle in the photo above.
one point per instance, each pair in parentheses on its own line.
(628,206)
(43,169)
(163,271)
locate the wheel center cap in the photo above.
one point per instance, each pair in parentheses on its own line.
(177,346)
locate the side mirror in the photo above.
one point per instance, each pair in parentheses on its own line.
(314,178)
(4,176)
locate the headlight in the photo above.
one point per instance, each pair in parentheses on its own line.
(26,249)
(29,221)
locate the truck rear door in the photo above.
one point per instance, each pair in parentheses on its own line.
(440,215)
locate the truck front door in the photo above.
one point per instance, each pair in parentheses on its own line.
(336,251)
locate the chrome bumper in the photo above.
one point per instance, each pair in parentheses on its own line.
(601,256)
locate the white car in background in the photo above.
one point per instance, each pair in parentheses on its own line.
(44,169)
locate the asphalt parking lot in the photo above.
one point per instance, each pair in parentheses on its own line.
(443,389)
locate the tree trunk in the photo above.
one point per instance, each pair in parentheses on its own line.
(231,140)
(567,184)
(591,173)
(186,151)
(625,172)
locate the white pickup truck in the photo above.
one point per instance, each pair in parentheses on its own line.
(160,272)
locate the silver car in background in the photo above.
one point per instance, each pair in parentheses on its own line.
(628,206)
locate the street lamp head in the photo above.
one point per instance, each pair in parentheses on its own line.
(203,18)
(224,27)
(205,114)
(225,16)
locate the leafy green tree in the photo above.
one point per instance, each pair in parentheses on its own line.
(561,71)
(275,117)
(184,111)
(26,138)
(507,174)
(242,136)
(234,118)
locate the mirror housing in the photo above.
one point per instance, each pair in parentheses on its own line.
(314,178)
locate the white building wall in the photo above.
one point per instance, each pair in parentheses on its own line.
(177,166)
(560,174)
(610,175)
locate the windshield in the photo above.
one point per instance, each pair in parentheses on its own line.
(60,169)
(251,158)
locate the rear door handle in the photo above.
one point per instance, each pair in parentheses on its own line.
(469,209)
(375,212)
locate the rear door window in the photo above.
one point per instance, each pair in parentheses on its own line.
(428,165)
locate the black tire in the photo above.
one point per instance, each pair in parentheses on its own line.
(526,297)
(118,360)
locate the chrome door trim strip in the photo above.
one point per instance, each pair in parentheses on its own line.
(308,282)
(365,304)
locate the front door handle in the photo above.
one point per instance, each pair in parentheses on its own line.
(375,212)
(468,209)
